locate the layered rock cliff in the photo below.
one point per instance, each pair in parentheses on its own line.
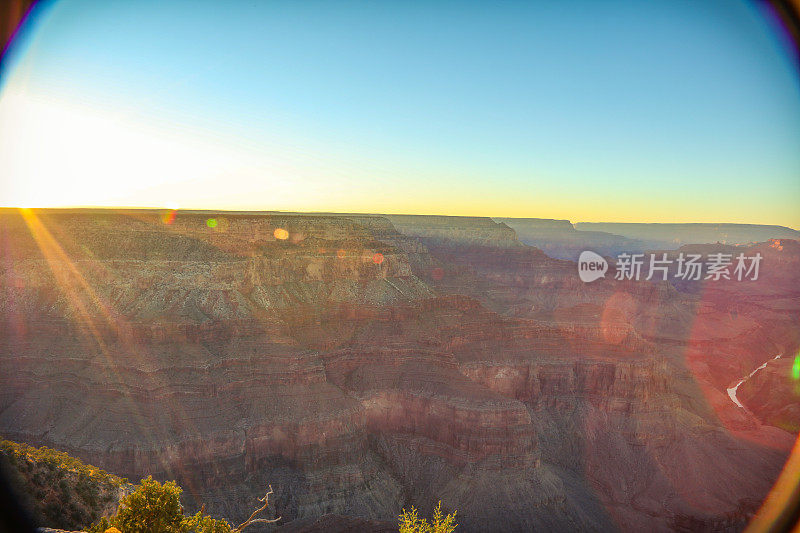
(361,363)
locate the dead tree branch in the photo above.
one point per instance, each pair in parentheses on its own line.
(253,519)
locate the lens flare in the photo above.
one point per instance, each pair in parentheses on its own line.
(281,234)
(211,223)
(377,258)
(796,368)
(168,217)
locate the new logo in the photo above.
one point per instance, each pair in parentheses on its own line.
(591,266)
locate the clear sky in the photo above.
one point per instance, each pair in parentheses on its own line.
(651,111)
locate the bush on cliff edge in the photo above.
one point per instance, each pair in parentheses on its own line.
(156,508)
(410,522)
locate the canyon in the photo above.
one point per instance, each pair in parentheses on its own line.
(363,363)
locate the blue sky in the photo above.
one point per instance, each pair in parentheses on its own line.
(666,111)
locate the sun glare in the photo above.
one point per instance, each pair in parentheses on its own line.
(54,155)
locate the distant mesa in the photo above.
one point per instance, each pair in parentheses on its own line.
(563,240)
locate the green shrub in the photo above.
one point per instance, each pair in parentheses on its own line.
(204,524)
(155,508)
(87,491)
(27,457)
(410,522)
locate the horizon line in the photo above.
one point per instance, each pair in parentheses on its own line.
(290,212)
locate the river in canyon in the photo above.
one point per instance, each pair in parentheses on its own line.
(732,390)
